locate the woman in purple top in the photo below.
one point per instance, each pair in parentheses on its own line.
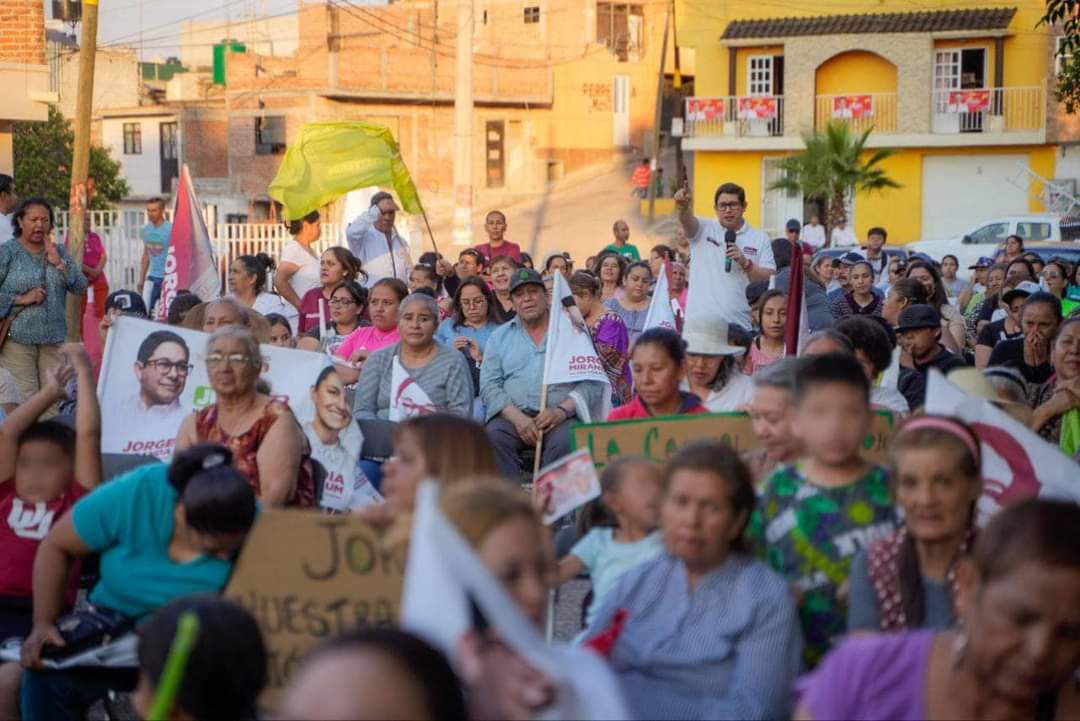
(1013,655)
(609,334)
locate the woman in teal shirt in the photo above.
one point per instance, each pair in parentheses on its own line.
(163,532)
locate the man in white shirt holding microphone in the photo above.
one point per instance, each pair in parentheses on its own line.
(726,255)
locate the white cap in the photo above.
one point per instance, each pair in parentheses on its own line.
(711,339)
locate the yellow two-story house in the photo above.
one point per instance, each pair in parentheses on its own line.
(960,89)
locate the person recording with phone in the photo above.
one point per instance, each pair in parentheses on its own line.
(726,255)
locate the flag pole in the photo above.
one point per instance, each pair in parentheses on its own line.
(539,440)
(430,234)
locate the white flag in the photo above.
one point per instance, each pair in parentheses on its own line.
(407,398)
(444,574)
(1016,462)
(570,355)
(660,314)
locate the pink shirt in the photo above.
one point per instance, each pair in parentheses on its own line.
(370,339)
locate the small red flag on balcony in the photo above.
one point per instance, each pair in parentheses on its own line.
(853,106)
(759,108)
(969,101)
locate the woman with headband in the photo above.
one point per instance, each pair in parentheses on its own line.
(908,579)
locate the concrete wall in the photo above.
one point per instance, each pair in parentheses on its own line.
(117,82)
(142,171)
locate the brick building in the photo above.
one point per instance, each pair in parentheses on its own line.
(24,73)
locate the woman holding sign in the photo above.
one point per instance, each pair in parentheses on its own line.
(267,443)
(415,376)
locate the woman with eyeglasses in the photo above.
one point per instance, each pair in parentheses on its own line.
(472,322)
(347,303)
(264,436)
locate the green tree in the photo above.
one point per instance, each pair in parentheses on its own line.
(835,165)
(43,153)
(1065,14)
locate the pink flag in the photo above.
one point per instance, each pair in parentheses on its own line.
(797,326)
(191,264)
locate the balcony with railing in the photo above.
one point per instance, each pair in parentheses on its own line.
(988,110)
(734,117)
(861,111)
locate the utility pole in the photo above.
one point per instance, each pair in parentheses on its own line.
(463,117)
(80,163)
(658,117)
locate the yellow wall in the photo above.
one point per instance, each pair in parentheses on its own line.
(899,211)
(855,72)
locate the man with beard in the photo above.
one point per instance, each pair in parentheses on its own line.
(511,379)
(161,367)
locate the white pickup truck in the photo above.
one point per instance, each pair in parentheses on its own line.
(986,238)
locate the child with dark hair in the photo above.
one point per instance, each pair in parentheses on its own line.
(45,467)
(815,514)
(226,671)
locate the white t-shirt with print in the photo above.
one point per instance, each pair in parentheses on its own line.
(717,293)
(307,277)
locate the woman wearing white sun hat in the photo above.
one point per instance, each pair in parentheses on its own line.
(711,369)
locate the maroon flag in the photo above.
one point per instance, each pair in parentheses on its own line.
(797,327)
(190,264)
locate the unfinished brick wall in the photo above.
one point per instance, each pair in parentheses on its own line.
(22,32)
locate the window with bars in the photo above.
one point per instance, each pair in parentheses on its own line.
(532,14)
(270,135)
(132,138)
(760,75)
(621,27)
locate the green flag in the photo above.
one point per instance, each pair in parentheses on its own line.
(331,158)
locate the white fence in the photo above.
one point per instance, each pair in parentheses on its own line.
(124,248)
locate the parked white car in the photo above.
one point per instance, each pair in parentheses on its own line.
(986,238)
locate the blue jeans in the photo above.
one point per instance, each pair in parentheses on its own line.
(155,294)
(60,695)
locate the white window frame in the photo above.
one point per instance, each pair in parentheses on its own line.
(759,75)
(1059,59)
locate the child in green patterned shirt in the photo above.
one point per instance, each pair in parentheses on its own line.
(812,516)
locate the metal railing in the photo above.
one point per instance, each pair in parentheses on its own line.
(989,110)
(861,111)
(124,248)
(733,116)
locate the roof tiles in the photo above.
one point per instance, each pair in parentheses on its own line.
(918,22)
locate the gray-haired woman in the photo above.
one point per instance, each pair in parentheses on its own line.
(415,376)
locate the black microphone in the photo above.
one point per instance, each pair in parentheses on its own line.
(729,240)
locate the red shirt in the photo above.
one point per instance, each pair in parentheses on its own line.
(641,176)
(23,525)
(507,248)
(309,310)
(691,406)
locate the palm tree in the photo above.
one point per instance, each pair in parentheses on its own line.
(832,168)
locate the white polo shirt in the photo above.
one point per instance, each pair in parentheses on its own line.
(814,235)
(381,259)
(716,293)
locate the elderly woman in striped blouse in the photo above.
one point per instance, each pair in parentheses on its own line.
(707,631)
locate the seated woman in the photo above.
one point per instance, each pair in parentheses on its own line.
(770,314)
(1057,402)
(383,300)
(266,441)
(771,411)
(710,632)
(713,370)
(633,305)
(227,669)
(658,362)
(469,326)
(861,299)
(281,334)
(163,532)
(506,533)
(608,331)
(502,272)
(347,304)
(249,278)
(1013,653)
(415,376)
(336,266)
(908,579)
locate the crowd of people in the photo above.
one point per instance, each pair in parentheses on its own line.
(795,580)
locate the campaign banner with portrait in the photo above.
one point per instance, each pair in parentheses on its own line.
(154,375)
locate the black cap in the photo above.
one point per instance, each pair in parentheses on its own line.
(525,276)
(793,225)
(126,301)
(850,258)
(915,317)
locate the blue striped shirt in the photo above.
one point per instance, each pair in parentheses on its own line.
(730,649)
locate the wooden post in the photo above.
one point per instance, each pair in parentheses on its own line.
(540,440)
(80,164)
(658,118)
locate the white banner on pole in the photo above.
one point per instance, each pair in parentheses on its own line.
(570,356)
(660,313)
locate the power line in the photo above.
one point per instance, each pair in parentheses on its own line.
(121,39)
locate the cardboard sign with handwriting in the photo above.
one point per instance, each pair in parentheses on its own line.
(660,438)
(308,577)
